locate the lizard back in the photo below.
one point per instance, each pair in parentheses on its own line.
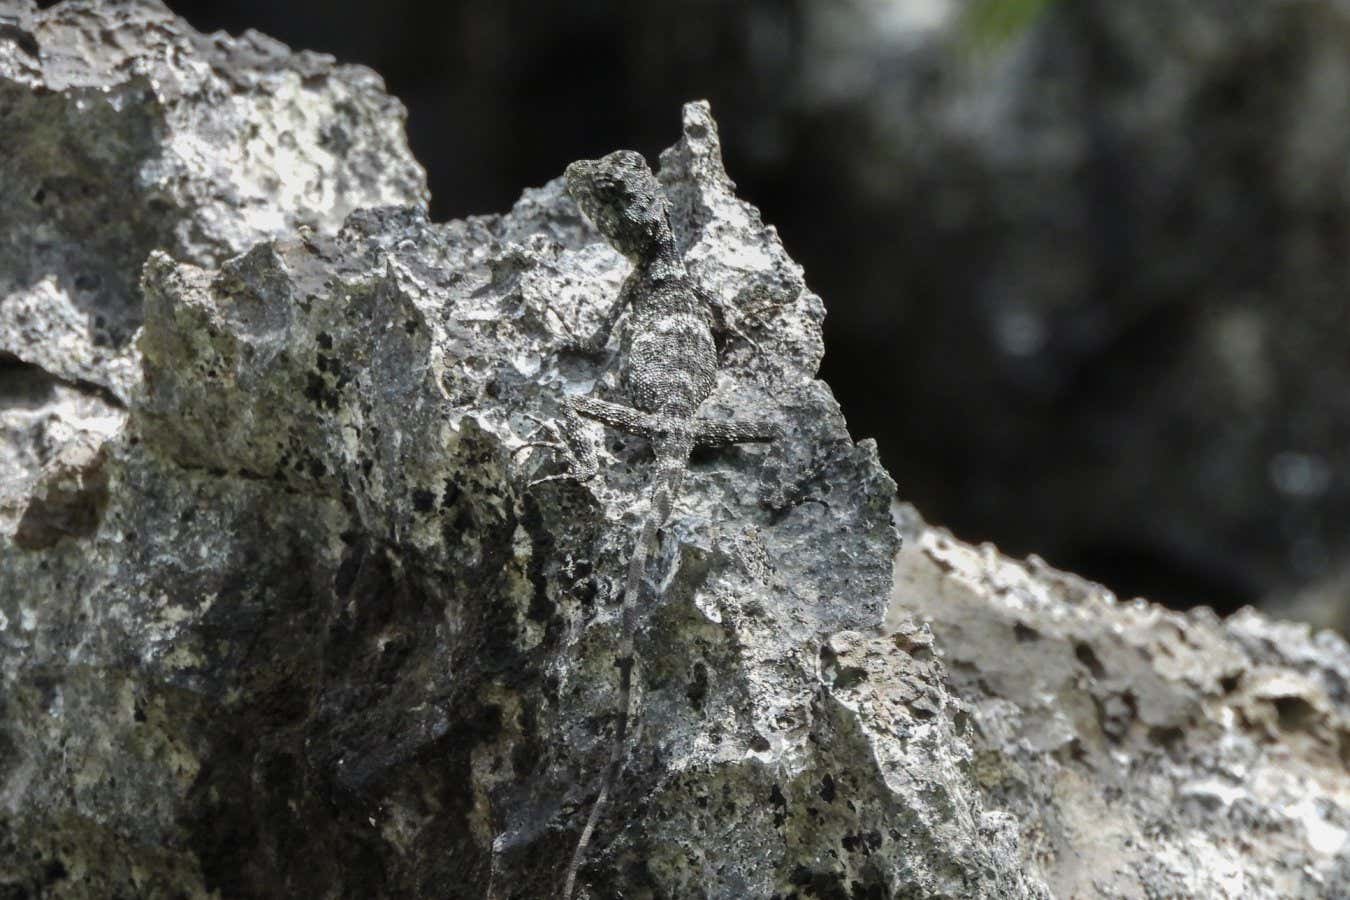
(669,361)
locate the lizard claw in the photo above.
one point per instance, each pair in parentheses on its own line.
(554,442)
(552,445)
(577,469)
(753,313)
(561,476)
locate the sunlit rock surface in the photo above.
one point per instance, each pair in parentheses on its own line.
(125,131)
(1143,752)
(280,614)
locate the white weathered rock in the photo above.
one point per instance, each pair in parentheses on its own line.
(1145,753)
(294,623)
(126,131)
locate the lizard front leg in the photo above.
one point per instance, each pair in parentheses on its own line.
(569,438)
(594,345)
(625,418)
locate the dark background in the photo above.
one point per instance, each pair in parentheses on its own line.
(1084,262)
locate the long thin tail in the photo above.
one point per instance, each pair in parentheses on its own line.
(667,483)
(616,756)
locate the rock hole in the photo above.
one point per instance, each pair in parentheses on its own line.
(55,871)
(849,676)
(22,39)
(1295,713)
(698,687)
(1088,658)
(1166,737)
(779,806)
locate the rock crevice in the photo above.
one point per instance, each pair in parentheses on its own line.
(289,619)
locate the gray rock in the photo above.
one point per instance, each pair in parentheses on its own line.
(38,418)
(294,623)
(1143,753)
(126,131)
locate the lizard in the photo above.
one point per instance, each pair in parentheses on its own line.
(668,367)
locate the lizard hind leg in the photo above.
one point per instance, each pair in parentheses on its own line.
(568,438)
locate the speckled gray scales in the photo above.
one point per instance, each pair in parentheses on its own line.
(668,360)
(283,623)
(668,367)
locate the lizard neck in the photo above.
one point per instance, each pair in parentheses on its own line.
(665,264)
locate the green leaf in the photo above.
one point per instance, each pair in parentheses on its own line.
(991,23)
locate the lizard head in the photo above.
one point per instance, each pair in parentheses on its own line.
(622,197)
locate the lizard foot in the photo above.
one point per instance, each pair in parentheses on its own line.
(580,466)
(755,314)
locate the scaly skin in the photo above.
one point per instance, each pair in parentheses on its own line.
(668,367)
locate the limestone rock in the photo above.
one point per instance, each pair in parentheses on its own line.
(126,131)
(295,623)
(1144,753)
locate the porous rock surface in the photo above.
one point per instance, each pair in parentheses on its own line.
(125,131)
(294,623)
(1144,753)
(122,130)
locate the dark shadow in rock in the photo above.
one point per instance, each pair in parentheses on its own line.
(24,386)
(345,765)
(69,505)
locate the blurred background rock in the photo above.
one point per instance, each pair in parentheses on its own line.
(1085,260)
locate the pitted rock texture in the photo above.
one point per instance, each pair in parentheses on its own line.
(309,632)
(293,623)
(125,131)
(39,418)
(1144,753)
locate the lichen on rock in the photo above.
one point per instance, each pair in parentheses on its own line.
(282,615)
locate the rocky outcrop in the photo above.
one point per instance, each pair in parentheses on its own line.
(1082,257)
(281,614)
(1144,753)
(126,131)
